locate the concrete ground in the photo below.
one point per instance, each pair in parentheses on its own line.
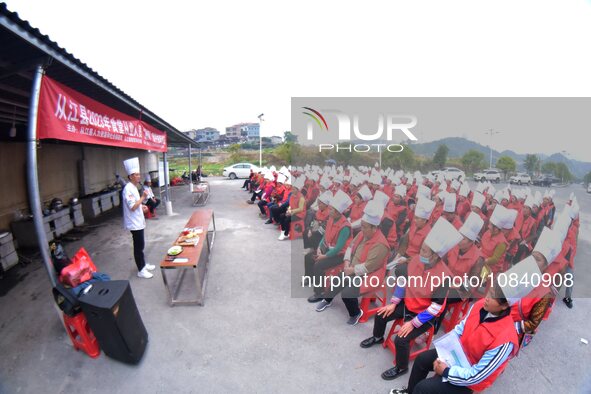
(251,335)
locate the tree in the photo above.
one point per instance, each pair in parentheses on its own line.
(440,156)
(562,172)
(549,167)
(404,160)
(587,178)
(506,164)
(288,136)
(473,160)
(531,163)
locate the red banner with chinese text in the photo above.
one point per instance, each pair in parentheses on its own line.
(65,114)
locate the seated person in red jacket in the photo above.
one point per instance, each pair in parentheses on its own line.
(331,249)
(489,341)
(464,258)
(449,210)
(411,242)
(366,255)
(421,301)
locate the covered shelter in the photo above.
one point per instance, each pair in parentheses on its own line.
(36,163)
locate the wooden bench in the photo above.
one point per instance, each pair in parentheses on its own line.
(196,262)
(200,194)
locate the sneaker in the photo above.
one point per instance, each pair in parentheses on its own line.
(145,274)
(323,305)
(269,221)
(353,320)
(150,267)
(282,236)
(249,202)
(403,390)
(568,302)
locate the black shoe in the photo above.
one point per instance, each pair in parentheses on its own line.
(568,301)
(269,221)
(393,373)
(249,202)
(313,299)
(369,342)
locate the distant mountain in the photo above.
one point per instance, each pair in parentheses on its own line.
(458,146)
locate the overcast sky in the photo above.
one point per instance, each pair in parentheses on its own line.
(216,63)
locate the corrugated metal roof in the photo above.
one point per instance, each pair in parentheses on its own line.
(23,47)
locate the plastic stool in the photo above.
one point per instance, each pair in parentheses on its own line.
(455,314)
(296,230)
(366,299)
(389,342)
(81,335)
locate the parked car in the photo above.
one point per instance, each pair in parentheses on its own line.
(520,178)
(492,175)
(545,180)
(589,188)
(453,173)
(239,170)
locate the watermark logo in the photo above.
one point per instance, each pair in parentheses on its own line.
(349,129)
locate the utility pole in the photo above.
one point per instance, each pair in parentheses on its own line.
(491,132)
(260,140)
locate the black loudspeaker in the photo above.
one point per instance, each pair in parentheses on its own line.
(115,320)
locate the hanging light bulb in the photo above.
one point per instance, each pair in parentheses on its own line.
(12,133)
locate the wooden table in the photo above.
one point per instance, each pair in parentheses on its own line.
(200,194)
(206,219)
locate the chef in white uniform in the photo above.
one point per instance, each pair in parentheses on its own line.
(133,216)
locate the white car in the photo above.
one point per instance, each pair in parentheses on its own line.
(453,173)
(589,188)
(239,170)
(492,175)
(520,178)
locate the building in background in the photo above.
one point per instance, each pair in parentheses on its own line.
(245,131)
(207,134)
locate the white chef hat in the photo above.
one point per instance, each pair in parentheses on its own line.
(269,176)
(526,268)
(562,224)
(373,212)
(478,200)
(549,244)
(442,237)
(284,170)
(491,190)
(400,190)
(449,202)
(281,178)
(325,182)
(338,178)
(500,195)
(441,195)
(424,208)
(571,196)
(464,190)
(299,182)
(325,197)
(472,226)
(381,197)
(574,209)
(423,191)
(529,201)
(538,198)
(375,178)
(132,166)
(480,187)
(365,193)
(455,184)
(503,218)
(148,178)
(355,180)
(341,201)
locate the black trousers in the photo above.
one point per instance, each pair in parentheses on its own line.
(152,203)
(349,294)
(315,270)
(261,205)
(246,184)
(285,221)
(256,195)
(276,211)
(138,248)
(312,241)
(418,384)
(402,344)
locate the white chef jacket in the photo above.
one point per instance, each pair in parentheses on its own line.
(132,220)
